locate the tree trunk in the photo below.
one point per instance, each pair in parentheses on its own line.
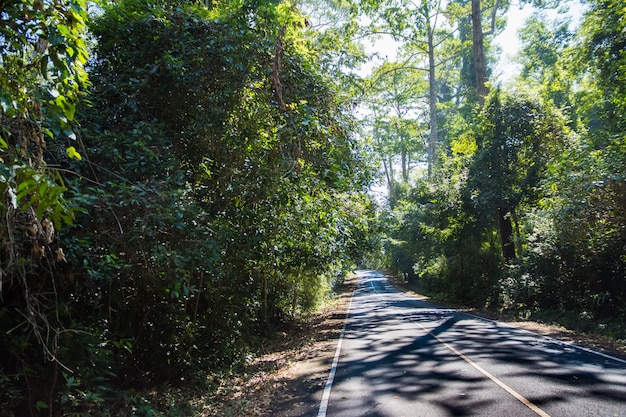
(518,236)
(265,305)
(480,67)
(506,234)
(432,99)
(388,167)
(405,166)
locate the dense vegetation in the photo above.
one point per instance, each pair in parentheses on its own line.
(166,214)
(523,208)
(181,178)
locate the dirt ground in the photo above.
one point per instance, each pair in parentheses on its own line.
(287,380)
(280,382)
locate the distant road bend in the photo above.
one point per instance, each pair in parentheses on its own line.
(400,356)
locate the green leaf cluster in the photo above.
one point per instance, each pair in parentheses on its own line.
(221,186)
(540,170)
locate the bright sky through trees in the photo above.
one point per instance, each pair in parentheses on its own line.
(508,40)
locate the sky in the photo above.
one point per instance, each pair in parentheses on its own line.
(509,43)
(507,40)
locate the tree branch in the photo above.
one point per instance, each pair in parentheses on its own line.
(492,29)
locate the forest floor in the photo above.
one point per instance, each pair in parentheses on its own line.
(279,382)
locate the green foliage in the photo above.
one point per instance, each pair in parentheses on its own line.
(545,57)
(254,144)
(577,237)
(447,238)
(221,187)
(575,252)
(548,166)
(602,52)
(42,54)
(516,138)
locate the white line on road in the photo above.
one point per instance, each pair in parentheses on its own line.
(552,339)
(333,368)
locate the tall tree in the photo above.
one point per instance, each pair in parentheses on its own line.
(545,59)
(603,44)
(515,141)
(425,35)
(396,101)
(478,44)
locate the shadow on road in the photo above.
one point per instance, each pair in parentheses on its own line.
(394,358)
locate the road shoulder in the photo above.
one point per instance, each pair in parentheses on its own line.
(289,381)
(587,341)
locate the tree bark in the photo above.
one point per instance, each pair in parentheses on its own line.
(480,67)
(506,234)
(518,236)
(405,164)
(432,99)
(388,168)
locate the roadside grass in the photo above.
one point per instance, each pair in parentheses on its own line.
(613,329)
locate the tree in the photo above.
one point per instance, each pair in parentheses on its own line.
(395,104)
(578,234)
(603,43)
(515,141)
(255,135)
(478,44)
(423,28)
(42,53)
(222,185)
(544,58)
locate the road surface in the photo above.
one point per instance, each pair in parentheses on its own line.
(400,356)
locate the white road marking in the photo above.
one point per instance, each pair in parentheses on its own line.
(480,369)
(333,368)
(552,339)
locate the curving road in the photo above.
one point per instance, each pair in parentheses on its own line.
(401,356)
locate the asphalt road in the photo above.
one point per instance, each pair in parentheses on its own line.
(401,356)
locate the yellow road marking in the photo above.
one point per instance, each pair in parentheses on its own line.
(483,371)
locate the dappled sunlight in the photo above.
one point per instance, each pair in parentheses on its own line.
(396,354)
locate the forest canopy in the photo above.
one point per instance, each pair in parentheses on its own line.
(514,198)
(182,179)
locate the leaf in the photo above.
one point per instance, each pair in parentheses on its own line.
(72,153)
(69,109)
(43,189)
(47,132)
(26,187)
